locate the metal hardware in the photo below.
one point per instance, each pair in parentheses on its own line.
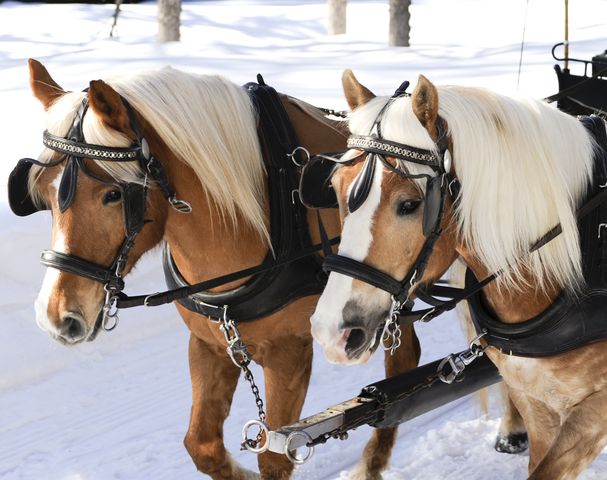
(309,454)
(110,310)
(240,356)
(294,195)
(392,332)
(292,156)
(180,205)
(250,444)
(458,363)
(601,225)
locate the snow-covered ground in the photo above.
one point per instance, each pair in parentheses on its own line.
(118,408)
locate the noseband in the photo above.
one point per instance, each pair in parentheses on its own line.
(438,186)
(74,151)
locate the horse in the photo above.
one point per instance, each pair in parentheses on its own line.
(512,187)
(168,157)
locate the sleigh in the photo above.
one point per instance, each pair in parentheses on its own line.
(398,399)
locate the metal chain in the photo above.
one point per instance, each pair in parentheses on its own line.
(240,356)
(391,335)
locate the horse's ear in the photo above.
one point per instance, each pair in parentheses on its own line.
(356,94)
(105,102)
(43,86)
(425,103)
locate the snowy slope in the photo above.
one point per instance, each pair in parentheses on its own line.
(118,408)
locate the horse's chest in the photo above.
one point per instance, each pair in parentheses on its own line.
(542,379)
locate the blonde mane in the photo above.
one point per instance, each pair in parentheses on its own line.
(206,121)
(524,168)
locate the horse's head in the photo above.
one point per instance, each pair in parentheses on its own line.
(391,208)
(97,206)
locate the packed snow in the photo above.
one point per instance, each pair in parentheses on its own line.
(118,408)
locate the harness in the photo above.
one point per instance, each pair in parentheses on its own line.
(567,324)
(294,273)
(74,150)
(270,290)
(438,186)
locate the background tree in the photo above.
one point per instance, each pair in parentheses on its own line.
(337,16)
(399,23)
(169,12)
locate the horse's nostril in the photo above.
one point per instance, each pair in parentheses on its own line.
(356,339)
(72,328)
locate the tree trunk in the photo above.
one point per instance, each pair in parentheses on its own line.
(169,12)
(337,17)
(399,23)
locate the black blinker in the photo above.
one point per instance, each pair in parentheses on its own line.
(315,189)
(362,184)
(433,204)
(133,206)
(68,184)
(19,198)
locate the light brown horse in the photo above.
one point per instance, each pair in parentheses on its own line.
(523,168)
(203,130)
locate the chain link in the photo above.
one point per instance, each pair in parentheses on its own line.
(240,356)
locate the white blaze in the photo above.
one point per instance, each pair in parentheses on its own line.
(356,239)
(52,274)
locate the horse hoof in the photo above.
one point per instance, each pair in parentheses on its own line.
(511,443)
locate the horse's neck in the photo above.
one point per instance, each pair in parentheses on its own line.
(511,306)
(202,243)
(314,131)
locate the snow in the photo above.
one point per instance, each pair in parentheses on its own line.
(118,408)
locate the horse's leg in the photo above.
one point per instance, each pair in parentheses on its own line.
(378,450)
(580,439)
(512,435)
(214,378)
(543,424)
(287,365)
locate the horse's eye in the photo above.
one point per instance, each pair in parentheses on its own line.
(406,207)
(112,196)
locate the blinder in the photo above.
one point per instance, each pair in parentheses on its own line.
(315,189)
(19,198)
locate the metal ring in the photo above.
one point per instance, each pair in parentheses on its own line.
(245,438)
(292,155)
(107,326)
(293,459)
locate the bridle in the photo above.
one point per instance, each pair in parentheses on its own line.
(438,186)
(74,151)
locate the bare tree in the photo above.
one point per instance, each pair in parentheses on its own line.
(337,16)
(169,12)
(399,23)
